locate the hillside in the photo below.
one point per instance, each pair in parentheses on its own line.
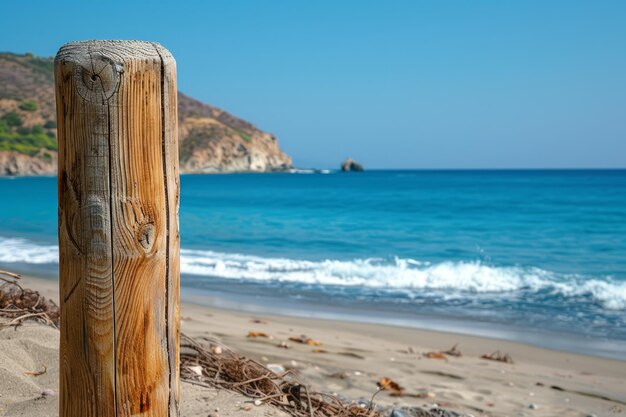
(211,140)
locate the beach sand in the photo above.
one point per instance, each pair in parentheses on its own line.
(352,357)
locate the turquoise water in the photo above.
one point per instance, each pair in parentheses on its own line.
(513,249)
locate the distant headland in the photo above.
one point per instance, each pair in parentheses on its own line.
(211,140)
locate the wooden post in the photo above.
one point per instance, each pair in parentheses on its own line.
(118,229)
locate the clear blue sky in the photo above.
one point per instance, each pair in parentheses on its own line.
(394,84)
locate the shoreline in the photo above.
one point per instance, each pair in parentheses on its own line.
(290,308)
(359,314)
(48,288)
(354,356)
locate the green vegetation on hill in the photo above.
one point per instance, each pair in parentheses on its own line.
(28,144)
(23,139)
(243,135)
(25,87)
(29,105)
(11,119)
(198,138)
(43,66)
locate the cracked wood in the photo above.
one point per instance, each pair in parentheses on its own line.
(118,229)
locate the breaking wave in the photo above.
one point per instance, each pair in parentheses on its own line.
(412,277)
(22,250)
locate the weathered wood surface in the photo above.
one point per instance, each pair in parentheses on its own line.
(118,229)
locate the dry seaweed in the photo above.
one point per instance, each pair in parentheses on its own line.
(19,304)
(498,356)
(454,351)
(254,334)
(389,384)
(435,355)
(305,340)
(199,365)
(37,373)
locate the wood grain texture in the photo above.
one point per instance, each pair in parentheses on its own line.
(118,229)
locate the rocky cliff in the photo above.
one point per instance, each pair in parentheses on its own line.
(211,140)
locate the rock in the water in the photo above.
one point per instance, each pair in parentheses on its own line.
(350,165)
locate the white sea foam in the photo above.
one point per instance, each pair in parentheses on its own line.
(310,171)
(301,171)
(412,277)
(456,278)
(21,250)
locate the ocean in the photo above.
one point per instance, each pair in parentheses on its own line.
(533,256)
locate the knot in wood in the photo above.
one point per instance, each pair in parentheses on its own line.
(145,237)
(97,78)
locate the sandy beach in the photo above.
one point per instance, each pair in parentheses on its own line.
(350,359)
